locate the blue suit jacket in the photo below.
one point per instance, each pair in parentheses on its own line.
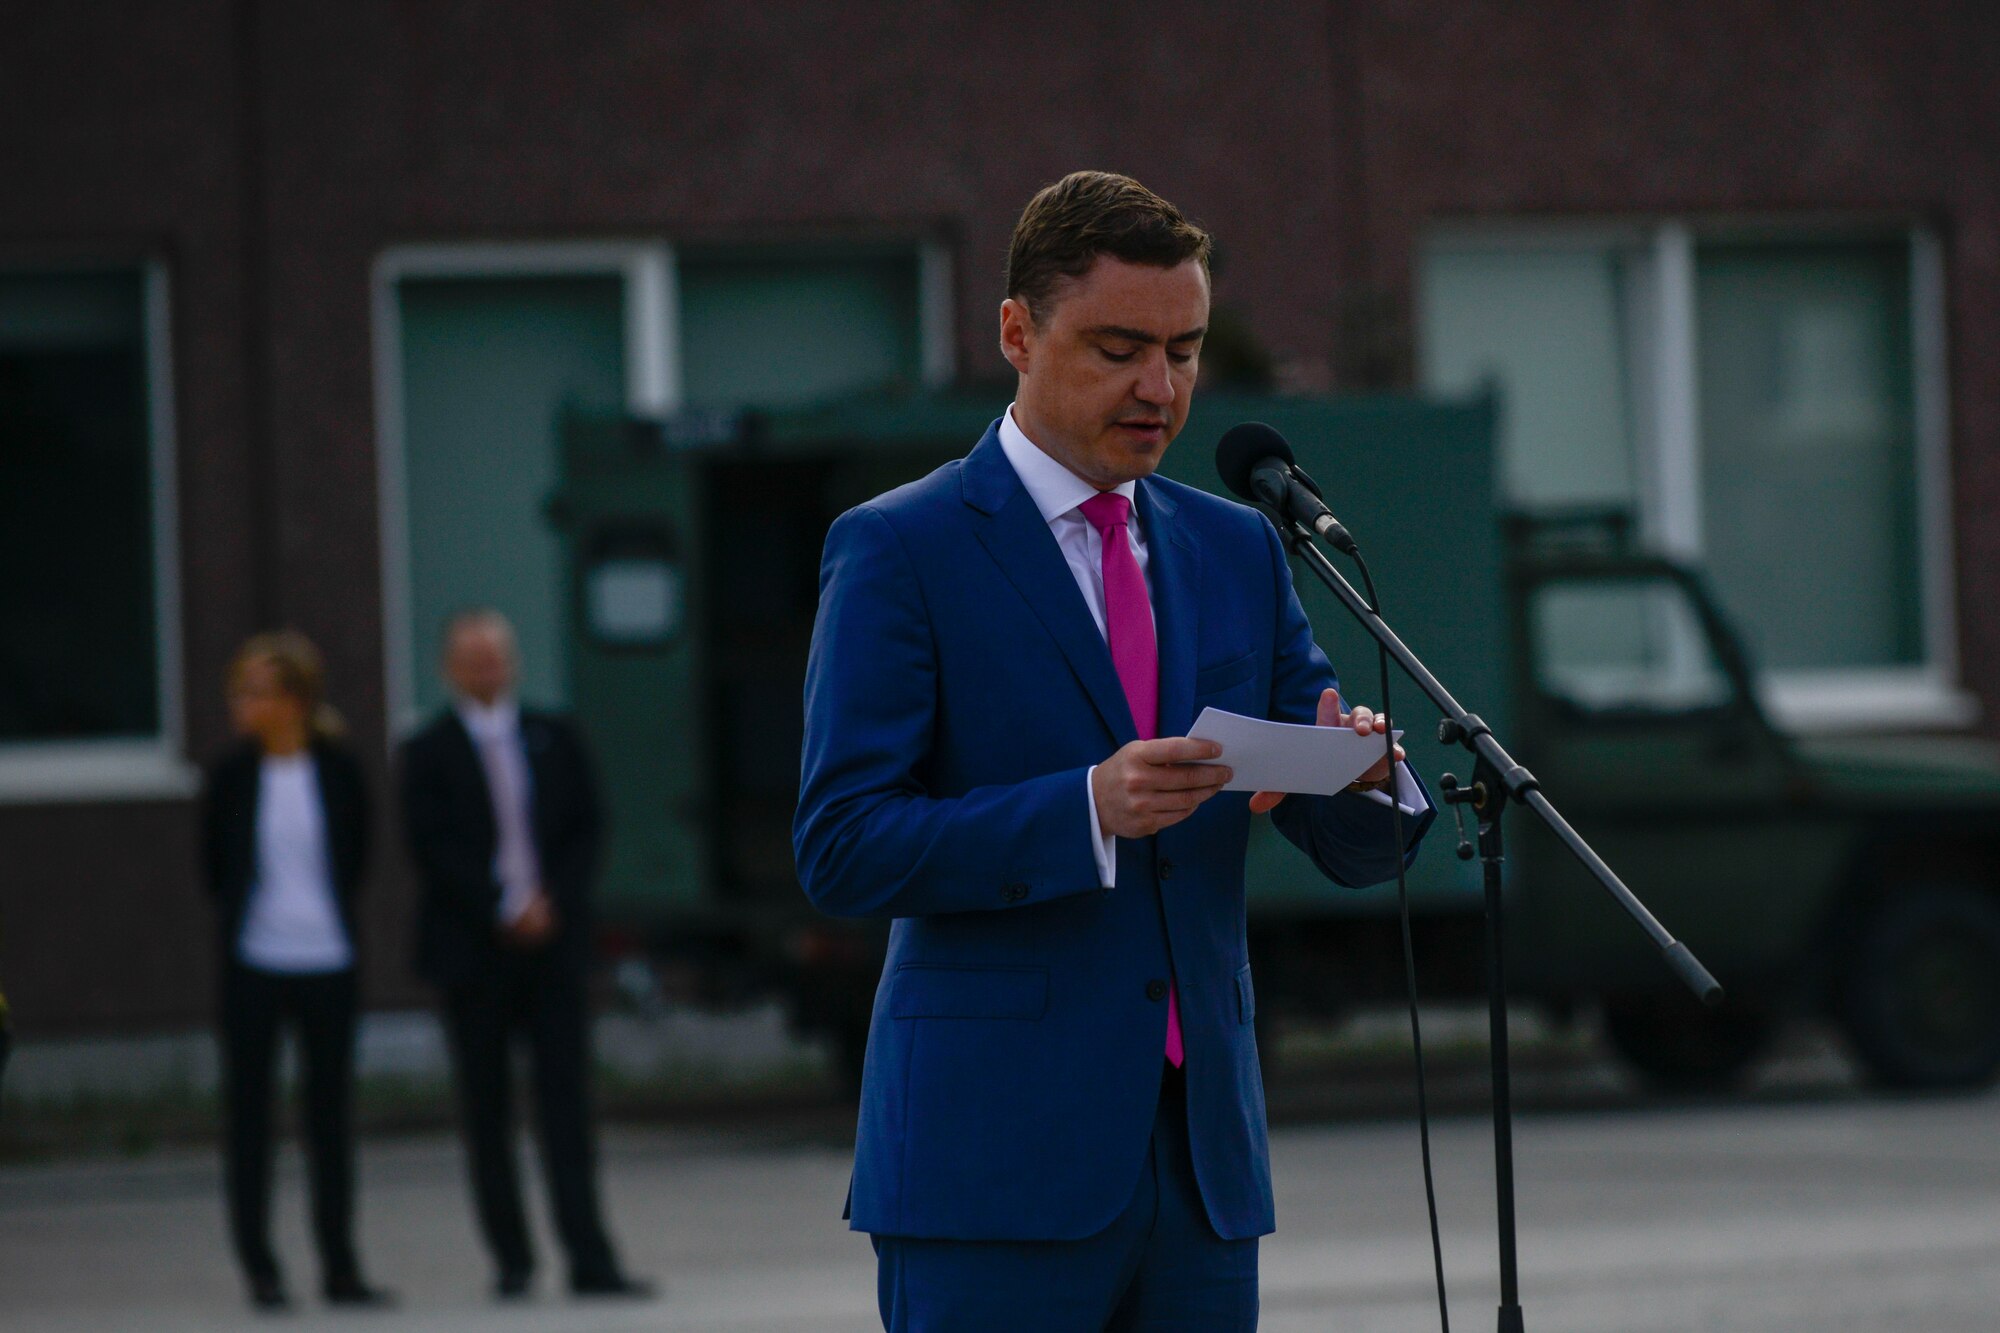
(957,694)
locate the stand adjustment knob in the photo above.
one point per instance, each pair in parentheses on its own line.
(1458,798)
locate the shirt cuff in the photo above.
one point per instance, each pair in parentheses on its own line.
(1102,845)
(1409,793)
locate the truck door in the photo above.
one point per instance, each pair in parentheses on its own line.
(1640,723)
(629,509)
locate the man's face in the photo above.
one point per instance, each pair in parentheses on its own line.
(479,661)
(1108,366)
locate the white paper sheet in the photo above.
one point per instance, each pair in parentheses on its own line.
(1285,756)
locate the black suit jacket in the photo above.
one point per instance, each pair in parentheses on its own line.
(449,825)
(229,832)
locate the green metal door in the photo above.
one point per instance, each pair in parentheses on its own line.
(629,509)
(486,365)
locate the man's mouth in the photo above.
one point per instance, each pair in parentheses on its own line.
(1143,428)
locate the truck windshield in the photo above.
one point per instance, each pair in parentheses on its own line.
(1604,646)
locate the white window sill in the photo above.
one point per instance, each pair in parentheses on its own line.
(1835,701)
(118,770)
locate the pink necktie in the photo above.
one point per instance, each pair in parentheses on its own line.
(1135,652)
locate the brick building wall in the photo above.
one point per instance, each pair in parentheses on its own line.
(268,153)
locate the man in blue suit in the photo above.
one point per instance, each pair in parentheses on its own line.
(1062,1118)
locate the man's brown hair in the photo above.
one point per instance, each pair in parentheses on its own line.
(1067,225)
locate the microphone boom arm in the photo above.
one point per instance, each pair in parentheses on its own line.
(1470,730)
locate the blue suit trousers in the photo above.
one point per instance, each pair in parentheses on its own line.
(1159,1267)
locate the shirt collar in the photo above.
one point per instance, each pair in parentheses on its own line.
(1054,488)
(495,721)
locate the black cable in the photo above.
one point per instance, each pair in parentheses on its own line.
(1409,955)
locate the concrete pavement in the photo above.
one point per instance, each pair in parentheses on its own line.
(1834,1212)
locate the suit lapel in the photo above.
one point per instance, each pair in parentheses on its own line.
(535,759)
(1014,534)
(465,753)
(1174,580)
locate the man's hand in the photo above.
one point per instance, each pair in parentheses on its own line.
(1150,785)
(532,928)
(1364,720)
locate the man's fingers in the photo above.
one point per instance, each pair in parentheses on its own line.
(1329,709)
(1185,777)
(1168,803)
(1176,750)
(1166,798)
(1265,800)
(1140,782)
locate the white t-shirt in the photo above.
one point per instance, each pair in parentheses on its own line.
(292,922)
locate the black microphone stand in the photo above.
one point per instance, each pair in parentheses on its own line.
(1497,780)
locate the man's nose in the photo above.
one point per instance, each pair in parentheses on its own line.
(1156,383)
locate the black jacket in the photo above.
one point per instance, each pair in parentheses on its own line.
(448,823)
(229,832)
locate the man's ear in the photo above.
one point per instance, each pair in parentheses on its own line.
(1017,334)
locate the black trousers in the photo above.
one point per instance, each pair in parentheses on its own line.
(322,1008)
(531,998)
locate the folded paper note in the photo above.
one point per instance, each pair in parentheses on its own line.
(1285,756)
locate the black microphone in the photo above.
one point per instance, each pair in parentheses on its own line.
(1256,463)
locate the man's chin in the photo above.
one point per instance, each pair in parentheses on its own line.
(1137,457)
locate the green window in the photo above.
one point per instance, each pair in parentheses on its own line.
(1765,404)
(80,634)
(774,330)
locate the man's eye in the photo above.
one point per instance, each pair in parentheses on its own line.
(1180,358)
(1120,357)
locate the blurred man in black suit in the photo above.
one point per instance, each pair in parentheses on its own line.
(501,813)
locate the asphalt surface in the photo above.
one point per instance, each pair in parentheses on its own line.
(1819,1208)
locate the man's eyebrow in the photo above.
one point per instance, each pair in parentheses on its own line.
(1141,336)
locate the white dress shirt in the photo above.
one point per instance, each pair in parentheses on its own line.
(292,921)
(496,734)
(1058,493)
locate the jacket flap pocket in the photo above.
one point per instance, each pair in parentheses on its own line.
(1246,995)
(921,990)
(1217,678)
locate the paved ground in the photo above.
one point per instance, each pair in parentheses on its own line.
(1823,1211)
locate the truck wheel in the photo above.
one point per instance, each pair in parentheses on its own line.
(1920,998)
(1680,1047)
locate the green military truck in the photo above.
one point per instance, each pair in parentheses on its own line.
(1856,877)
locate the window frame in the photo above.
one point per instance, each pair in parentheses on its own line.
(646,269)
(649,269)
(1666,441)
(126,768)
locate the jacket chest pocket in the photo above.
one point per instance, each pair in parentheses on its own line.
(1226,676)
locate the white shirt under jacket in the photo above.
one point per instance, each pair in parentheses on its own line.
(292,921)
(495,729)
(1058,493)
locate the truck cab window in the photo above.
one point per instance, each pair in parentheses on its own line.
(1604,648)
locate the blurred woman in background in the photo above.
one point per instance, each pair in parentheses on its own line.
(285,824)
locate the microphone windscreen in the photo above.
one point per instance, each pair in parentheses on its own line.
(1242,448)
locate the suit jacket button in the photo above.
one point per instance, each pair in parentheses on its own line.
(1013,893)
(1156,989)
(1166,868)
